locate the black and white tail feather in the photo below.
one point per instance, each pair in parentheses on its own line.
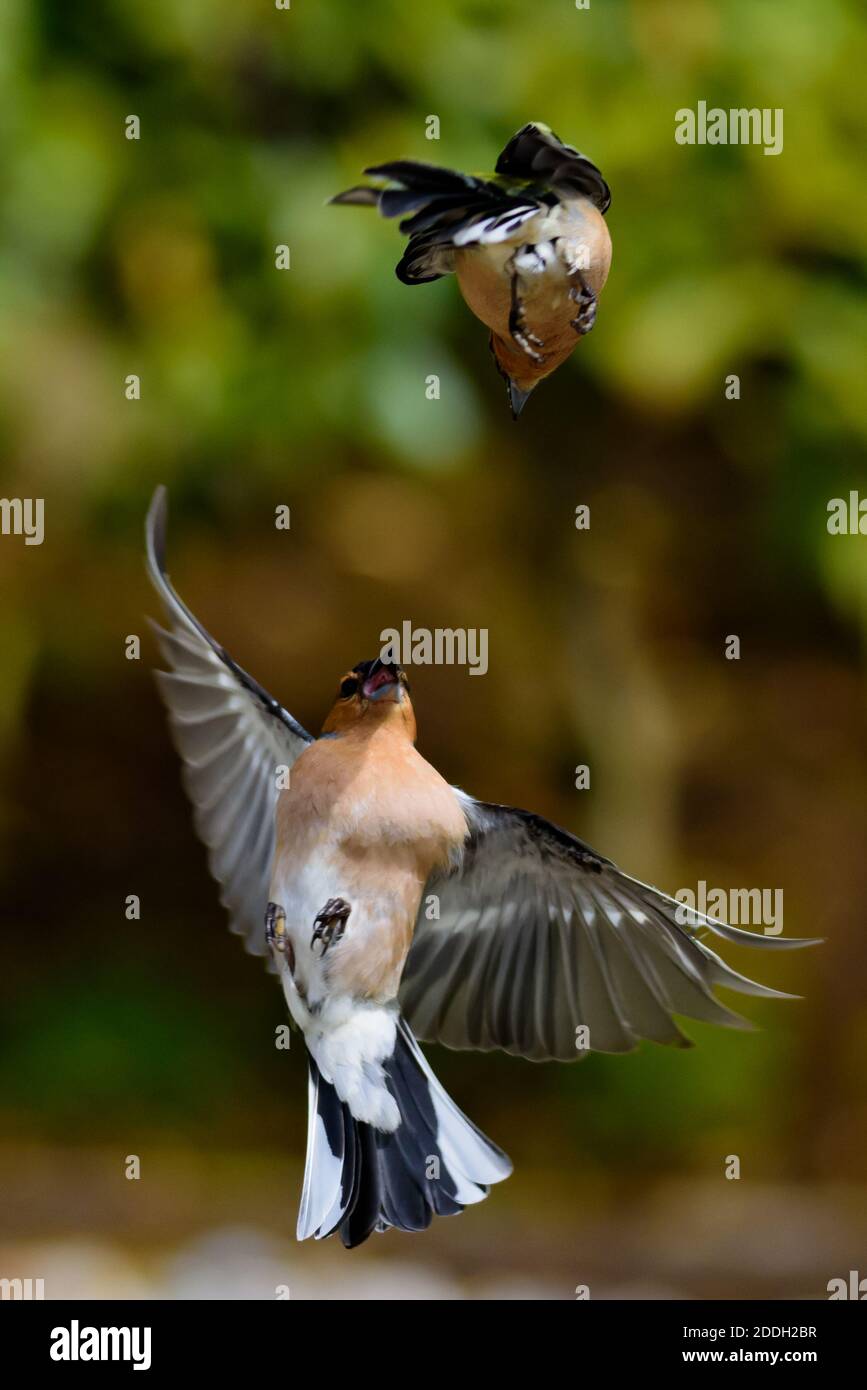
(358,1179)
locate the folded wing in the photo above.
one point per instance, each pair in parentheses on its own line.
(232,737)
(538,936)
(441,210)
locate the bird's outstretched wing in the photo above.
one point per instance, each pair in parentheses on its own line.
(232,736)
(540,156)
(443,210)
(538,935)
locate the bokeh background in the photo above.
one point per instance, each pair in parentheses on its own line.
(306,387)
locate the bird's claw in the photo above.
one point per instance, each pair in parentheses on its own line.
(584,321)
(518,330)
(586,300)
(527,341)
(330,924)
(276,934)
(275,926)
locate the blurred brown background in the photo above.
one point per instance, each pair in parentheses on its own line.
(307,388)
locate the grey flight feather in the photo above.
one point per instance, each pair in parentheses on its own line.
(232,736)
(537,934)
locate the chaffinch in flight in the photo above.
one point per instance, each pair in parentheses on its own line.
(534,936)
(529,245)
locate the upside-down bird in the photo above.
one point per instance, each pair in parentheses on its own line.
(393,904)
(528,243)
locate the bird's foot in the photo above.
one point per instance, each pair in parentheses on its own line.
(276,934)
(586,301)
(518,330)
(527,341)
(275,926)
(330,924)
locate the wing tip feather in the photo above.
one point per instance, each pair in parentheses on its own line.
(155,530)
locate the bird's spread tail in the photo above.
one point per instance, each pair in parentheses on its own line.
(358,1179)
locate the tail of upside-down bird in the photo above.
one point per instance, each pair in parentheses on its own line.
(358,1179)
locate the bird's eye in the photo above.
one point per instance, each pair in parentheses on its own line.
(348,687)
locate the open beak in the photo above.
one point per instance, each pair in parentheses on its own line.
(381,678)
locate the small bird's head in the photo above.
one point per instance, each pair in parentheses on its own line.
(372,692)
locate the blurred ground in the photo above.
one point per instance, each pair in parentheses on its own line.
(106,1239)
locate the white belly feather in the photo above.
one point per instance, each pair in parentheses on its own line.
(349,1038)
